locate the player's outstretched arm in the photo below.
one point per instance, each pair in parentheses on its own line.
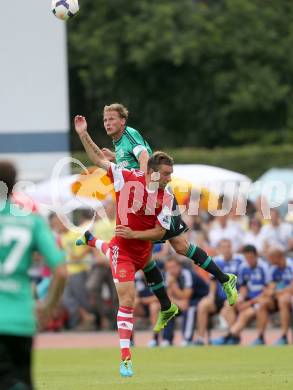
(154,234)
(93,151)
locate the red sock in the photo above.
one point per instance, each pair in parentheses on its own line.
(101,245)
(92,242)
(105,249)
(125,326)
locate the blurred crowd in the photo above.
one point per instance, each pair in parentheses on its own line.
(257,250)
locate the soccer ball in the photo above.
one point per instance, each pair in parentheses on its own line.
(65,9)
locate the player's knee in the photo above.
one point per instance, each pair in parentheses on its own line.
(284,305)
(204,305)
(284,300)
(262,309)
(246,315)
(126,301)
(126,294)
(180,245)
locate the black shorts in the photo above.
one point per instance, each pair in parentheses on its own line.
(15,362)
(178,226)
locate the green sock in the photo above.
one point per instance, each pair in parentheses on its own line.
(156,284)
(201,258)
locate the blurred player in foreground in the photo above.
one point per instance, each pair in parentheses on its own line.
(20,236)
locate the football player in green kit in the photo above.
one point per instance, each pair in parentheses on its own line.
(22,234)
(132,151)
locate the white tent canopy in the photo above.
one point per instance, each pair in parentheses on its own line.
(210,177)
(203,174)
(276,185)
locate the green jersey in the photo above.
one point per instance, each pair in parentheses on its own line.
(129,147)
(20,236)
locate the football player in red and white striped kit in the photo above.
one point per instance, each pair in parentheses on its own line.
(144,208)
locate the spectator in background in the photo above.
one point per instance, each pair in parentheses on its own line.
(146,302)
(251,209)
(19,236)
(262,208)
(289,216)
(186,289)
(278,295)
(238,214)
(276,232)
(224,228)
(100,281)
(253,235)
(215,302)
(160,253)
(75,298)
(253,277)
(199,237)
(57,227)
(146,305)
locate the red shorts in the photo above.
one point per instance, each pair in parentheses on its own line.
(124,265)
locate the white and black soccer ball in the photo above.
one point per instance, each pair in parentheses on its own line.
(65,9)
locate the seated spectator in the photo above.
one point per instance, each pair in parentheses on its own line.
(253,277)
(253,235)
(289,216)
(146,304)
(215,302)
(224,228)
(185,288)
(199,238)
(161,251)
(276,232)
(238,210)
(278,295)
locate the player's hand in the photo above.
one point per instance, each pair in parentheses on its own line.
(111,156)
(124,232)
(80,125)
(43,314)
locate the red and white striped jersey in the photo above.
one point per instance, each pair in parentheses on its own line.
(137,207)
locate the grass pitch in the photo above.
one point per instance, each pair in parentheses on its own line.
(200,368)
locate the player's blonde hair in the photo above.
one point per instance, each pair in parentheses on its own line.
(122,110)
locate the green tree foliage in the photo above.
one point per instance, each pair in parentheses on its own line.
(193,73)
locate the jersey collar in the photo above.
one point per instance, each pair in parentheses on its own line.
(118,140)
